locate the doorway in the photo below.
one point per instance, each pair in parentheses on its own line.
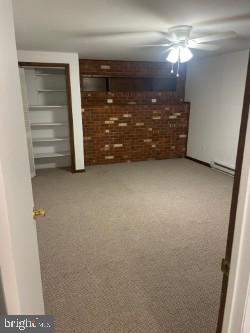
(234,203)
(48,115)
(225,267)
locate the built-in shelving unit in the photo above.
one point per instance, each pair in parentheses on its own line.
(48,111)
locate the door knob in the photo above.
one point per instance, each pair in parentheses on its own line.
(40,212)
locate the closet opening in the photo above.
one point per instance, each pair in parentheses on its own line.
(46,97)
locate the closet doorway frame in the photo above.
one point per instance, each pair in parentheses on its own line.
(69,102)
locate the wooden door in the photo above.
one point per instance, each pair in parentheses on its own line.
(235,194)
(19,258)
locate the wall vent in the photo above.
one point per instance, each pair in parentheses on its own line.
(222,168)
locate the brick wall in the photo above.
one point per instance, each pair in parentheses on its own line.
(131,98)
(132,126)
(120,133)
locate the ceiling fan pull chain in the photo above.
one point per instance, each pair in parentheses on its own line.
(172,70)
(178,65)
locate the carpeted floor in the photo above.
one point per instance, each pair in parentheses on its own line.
(133,247)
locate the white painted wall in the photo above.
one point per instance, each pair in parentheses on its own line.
(215,87)
(246,318)
(19,260)
(73,61)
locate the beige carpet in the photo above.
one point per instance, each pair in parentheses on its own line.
(133,247)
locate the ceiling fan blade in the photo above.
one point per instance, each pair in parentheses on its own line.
(166,50)
(118,34)
(215,37)
(156,45)
(208,47)
(225,21)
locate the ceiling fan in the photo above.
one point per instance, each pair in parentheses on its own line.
(179,44)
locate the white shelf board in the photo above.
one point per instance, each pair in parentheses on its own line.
(39,107)
(48,124)
(47,67)
(52,155)
(51,90)
(52,74)
(49,139)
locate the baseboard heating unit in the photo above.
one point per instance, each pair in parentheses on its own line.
(222,168)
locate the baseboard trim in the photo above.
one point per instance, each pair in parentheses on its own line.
(198,161)
(78,171)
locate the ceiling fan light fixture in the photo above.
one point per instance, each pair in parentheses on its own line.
(173,55)
(179,53)
(185,54)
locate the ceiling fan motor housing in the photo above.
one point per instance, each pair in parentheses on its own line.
(180,33)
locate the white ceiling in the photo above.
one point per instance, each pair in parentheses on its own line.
(101,29)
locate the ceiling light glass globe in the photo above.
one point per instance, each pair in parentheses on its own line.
(173,55)
(185,54)
(181,53)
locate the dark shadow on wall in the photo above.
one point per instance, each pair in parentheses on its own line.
(3,310)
